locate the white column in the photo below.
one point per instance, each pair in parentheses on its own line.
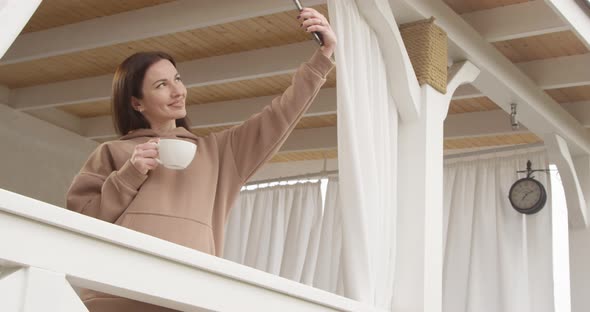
(419,264)
(14,15)
(579,240)
(32,289)
(574,172)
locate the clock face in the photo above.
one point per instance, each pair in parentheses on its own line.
(526,194)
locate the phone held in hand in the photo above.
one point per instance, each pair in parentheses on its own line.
(317,36)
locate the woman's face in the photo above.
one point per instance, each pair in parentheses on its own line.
(164,95)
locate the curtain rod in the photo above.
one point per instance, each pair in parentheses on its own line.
(495,150)
(324,173)
(308,176)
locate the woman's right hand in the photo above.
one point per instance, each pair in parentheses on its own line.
(144,156)
(314,21)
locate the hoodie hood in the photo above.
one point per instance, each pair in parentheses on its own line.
(178,132)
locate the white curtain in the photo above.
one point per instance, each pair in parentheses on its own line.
(329,265)
(496,259)
(276,229)
(367,158)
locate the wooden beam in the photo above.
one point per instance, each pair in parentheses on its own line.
(504,83)
(559,72)
(515,21)
(576,16)
(213,70)
(139,24)
(218,114)
(474,124)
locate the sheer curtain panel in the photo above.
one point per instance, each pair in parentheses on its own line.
(367,158)
(276,229)
(328,274)
(496,259)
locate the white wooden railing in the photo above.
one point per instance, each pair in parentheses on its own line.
(45,250)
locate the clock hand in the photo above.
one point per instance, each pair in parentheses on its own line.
(525,195)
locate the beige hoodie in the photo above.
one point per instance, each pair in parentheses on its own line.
(188,207)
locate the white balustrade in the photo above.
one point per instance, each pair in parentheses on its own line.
(45,250)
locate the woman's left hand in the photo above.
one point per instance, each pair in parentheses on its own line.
(314,21)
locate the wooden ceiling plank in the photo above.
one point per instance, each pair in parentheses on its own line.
(541,47)
(570,94)
(261,32)
(540,50)
(166,18)
(211,38)
(235,35)
(457,126)
(187,40)
(272,27)
(52,13)
(466,6)
(170,45)
(232,67)
(271,86)
(226,112)
(247,32)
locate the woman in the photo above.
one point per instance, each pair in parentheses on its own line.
(123,183)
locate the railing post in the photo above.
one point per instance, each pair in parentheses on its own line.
(33,289)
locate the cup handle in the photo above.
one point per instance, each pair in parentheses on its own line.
(158,147)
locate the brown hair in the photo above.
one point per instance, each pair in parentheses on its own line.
(127,83)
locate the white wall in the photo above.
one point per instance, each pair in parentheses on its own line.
(38,159)
(580,269)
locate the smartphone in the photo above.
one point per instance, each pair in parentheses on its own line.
(316,36)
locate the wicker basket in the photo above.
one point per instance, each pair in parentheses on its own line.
(427,47)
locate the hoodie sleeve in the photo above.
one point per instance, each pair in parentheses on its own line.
(102,192)
(257,139)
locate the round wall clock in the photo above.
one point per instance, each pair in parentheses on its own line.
(527,195)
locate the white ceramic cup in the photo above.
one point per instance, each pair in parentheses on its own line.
(176,154)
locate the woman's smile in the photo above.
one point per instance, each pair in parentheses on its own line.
(177,104)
